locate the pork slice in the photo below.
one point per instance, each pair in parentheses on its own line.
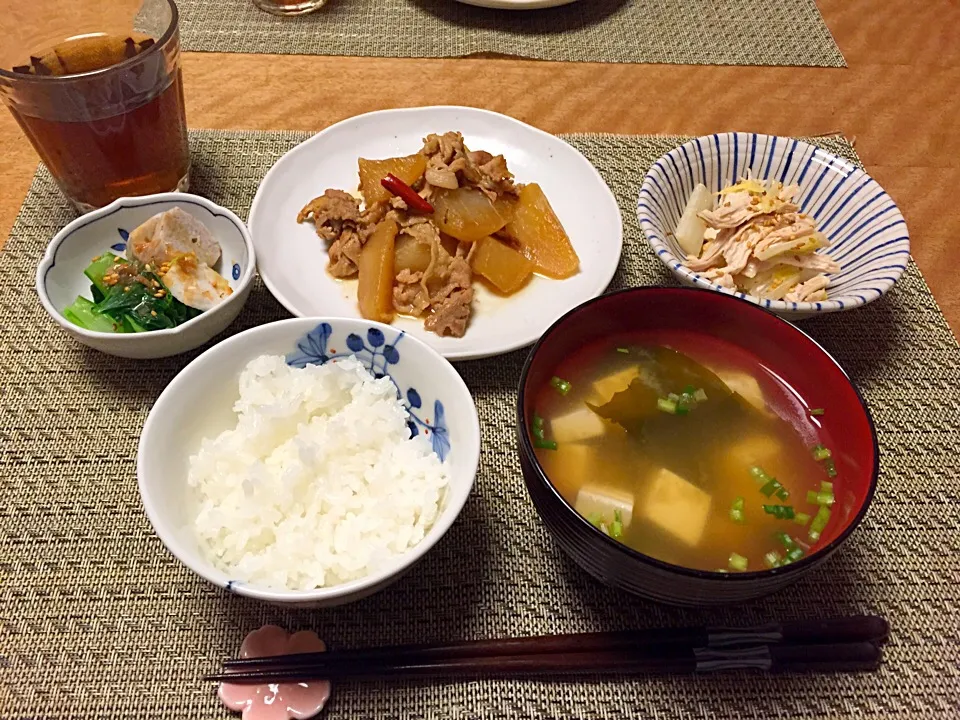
(409,295)
(449,317)
(344,254)
(330,212)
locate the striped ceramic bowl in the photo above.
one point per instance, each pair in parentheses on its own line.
(867,232)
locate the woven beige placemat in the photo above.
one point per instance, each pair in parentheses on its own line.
(99,621)
(695,32)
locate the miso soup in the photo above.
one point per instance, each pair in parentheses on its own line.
(687,449)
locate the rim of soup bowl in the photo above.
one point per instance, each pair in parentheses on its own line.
(526,446)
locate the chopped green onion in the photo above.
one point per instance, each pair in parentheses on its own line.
(771,487)
(689,390)
(736,510)
(721,570)
(562,386)
(820,498)
(759,475)
(780,512)
(617,516)
(821,453)
(816,412)
(700,395)
(794,554)
(831,468)
(539,441)
(674,397)
(625,351)
(737,562)
(772,559)
(682,409)
(785,540)
(801,518)
(666,405)
(536,427)
(616,529)
(826,487)
(819,522)
(783,493)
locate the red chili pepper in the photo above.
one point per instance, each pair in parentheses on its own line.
(398,187)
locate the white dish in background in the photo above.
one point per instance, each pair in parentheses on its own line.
(517,4)
(292,260)
(60,277)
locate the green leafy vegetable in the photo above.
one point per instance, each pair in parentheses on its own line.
(126,298)
(82,313)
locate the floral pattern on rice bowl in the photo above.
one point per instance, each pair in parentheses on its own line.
(377,356)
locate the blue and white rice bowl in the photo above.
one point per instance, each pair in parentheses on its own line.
(868,235)
(199,403)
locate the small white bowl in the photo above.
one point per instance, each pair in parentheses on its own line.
(868,234)
(60,277)
(198,403)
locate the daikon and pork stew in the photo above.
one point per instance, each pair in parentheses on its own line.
(687,449)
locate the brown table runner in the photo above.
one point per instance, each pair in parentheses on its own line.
(696,32)
(98,621)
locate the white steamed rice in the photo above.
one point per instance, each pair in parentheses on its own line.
(319,483)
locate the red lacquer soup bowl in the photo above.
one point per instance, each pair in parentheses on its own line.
(779,346)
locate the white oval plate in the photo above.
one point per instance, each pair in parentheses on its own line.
(292,260)
(517,4)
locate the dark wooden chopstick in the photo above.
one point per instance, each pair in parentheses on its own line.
(854,628)
(604,647)
(844,657)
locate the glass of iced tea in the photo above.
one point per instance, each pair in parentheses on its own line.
(102,103)
(289,7)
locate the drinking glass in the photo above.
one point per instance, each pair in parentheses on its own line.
(101,102)
(289,7)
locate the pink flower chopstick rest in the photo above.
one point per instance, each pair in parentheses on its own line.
(284,701)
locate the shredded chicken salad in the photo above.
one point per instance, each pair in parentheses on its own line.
(754,238)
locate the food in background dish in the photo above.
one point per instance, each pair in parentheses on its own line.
(700,457)
(756,240)
(318,483)
(428,225)
(166,279)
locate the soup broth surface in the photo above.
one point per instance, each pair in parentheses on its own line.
(686,486)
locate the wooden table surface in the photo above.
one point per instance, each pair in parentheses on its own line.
(899,99)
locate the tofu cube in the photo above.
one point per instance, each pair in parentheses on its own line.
(746,386)
(676,506)
(569,466)
(593,500)
(752,450)
(606,387)
(582,424)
